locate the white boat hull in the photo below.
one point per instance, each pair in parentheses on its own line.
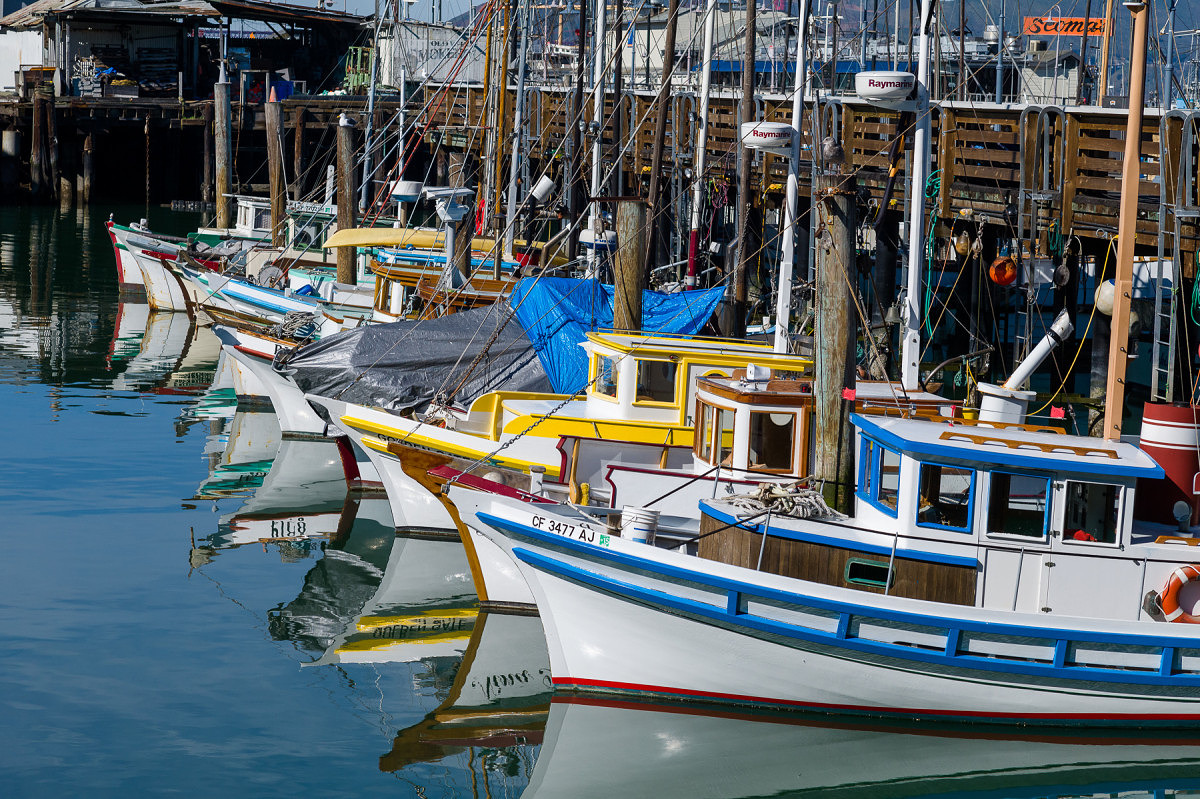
(745,637)
(294,412)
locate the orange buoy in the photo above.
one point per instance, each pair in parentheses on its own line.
(1003,271)
(1169,598)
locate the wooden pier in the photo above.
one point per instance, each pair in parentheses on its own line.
(1027,173)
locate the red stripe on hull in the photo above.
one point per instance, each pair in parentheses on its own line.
(890,711)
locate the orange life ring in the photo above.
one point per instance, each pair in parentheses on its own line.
(1169,598)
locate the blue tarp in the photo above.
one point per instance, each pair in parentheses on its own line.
(557,312)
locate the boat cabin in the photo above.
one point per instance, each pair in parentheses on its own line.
(764,426)
(1009,517)
(640,389)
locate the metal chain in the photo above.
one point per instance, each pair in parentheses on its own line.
(486,458)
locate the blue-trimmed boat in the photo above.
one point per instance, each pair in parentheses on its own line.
(990,571)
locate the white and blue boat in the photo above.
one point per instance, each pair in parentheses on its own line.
(989,572)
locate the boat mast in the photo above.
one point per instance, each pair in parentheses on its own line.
(368,140)
(1118,339)
(701,145)
(518,111)
(746,251)
(598,69)
(910,351)
(1169,90)
(660,132)
(783,289)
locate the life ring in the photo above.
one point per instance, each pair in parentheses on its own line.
(1169,598)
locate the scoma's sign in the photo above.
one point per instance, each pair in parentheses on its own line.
(1062,26)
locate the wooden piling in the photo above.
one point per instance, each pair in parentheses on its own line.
(835,337)
(10,161)
(298,154)
(274,123)
(146,133)
(223,135)
(347,198)
(206,180)
(87,168)
(629,264)
(463,174)
(37,177)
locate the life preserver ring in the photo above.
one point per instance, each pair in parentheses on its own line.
(1169,598)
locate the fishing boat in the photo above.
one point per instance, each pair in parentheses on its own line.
(640,388)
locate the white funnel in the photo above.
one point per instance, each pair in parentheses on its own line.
(1008,403)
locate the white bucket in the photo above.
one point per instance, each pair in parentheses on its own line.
(639,524)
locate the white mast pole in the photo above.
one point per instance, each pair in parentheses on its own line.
(710,24)
(598,75)
(783,300)
(910,350)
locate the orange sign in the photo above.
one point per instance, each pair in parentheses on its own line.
(1061,26)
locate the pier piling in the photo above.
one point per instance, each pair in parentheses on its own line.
(346,196)
(273,113)
(223,134)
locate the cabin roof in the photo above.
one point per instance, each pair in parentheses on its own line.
(870,395)
(685,347)
(1009,447)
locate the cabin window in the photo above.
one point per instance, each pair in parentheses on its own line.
(704,440)
(879,479)
(725,419)
(1017,505)
(945,497)
(1091,512)
(771,441)
(606,376)
(656,381)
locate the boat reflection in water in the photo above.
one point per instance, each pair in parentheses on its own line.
(424,607)
(498,702)
(604,748)
(240,450)
(301,497)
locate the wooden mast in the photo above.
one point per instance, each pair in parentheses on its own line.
(1108,32)
(1118,345)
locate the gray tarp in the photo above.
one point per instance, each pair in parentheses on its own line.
(402,366)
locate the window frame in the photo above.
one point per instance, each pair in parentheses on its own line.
(1061,514)
(616,377)
(1047,512)
(637,373)
(971,494)
(698,443)
(792,454)
(872,458)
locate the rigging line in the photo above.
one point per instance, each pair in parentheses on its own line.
(1082,339)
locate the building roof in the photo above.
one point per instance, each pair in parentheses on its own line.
(32,16)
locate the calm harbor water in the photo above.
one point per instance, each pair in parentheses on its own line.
(190,605)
